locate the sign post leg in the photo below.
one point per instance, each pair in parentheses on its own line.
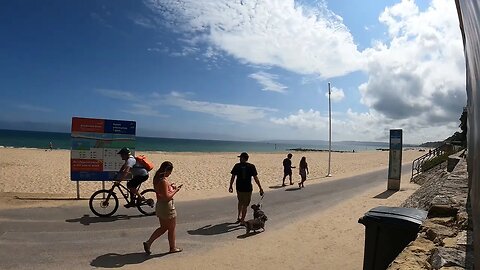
(78,189)
(103,187)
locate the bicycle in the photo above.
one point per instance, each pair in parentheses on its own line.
(104,202)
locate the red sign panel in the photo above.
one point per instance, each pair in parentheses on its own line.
(88,125)
(87,165)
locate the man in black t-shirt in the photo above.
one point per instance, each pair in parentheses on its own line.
(244,172)
(287,169)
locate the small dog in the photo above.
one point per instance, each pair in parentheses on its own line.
(258,221)
(257,213)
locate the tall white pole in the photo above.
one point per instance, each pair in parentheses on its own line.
(329,130)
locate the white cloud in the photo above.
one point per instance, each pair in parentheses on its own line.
(372,125)
(34,108)
(133,104)
(337,94)
(306,40)
(101,18)
(117,94)
(144,21)
(143,109)
(185,51)
(267,80)
(231,112)
(417,79)
(146,107)
(368,126)
(303,120)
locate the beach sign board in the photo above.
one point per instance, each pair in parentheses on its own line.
(95,143)
(395,159)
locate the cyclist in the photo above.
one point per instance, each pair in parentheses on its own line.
(139,175)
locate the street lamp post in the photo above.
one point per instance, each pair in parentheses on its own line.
(329,130)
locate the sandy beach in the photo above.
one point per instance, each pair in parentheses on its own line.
(204,175)
(328,239)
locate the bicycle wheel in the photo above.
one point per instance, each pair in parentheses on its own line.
(103,203)
(147,207)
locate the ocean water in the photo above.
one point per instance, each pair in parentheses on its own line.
(41,140)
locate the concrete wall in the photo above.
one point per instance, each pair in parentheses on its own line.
(469,17)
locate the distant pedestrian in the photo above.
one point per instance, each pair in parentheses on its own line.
(50,146)
(243,172)
(303,171)
(165,209)
(287,169)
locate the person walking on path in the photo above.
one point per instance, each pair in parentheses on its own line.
(303,171)
(243,172)
(287,169)
(165,209)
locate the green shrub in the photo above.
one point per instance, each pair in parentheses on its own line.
(427,165)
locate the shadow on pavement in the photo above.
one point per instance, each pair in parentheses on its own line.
(115,260)
(225,227)
(87,219)
(243,236)
(292,189)
(31,198)
(275,187)
(386,194)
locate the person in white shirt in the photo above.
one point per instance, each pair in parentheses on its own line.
(139,175)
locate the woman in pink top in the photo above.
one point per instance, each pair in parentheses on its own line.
(165,209)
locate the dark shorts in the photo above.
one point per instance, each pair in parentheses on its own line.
(136,181)
(287,172)
(244,198)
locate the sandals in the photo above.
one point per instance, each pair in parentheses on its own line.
(146,247)
(175,250)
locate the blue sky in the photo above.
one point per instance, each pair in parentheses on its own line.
(247,70)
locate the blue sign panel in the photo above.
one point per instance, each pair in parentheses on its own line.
(88,176)
(120,127)
(396,139)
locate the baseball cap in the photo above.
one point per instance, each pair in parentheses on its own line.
(124,150)
(244,154)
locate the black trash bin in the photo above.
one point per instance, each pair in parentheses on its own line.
(388,230)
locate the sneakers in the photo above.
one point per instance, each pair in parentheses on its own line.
(140,201)
(130,204)
(151,202)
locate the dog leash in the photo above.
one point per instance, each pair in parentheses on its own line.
(261,198)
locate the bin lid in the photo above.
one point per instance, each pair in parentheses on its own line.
(395,215)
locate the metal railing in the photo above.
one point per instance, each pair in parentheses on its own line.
(431,154)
